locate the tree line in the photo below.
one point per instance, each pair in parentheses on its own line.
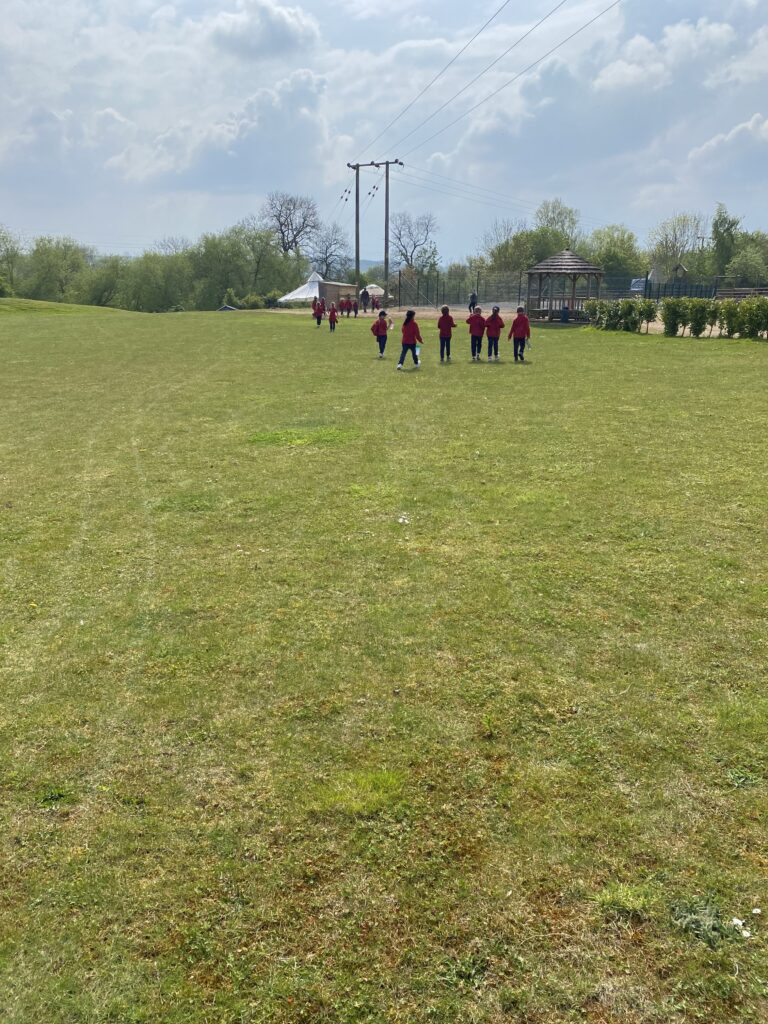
(268,254)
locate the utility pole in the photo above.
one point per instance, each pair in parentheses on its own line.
(356,168)
(386,225)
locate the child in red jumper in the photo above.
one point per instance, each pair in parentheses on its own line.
(379,329)
(476,329)
(333,316)
(411,337)
(493,326)
(445,326)
(520,332)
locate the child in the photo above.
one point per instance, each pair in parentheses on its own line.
(520,333)
(379,329)
(317,312)
(333,316)
(445,325)
(355,308)
(411,337)
(476,329)
(493,326)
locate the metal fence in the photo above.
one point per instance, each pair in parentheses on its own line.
(438,289)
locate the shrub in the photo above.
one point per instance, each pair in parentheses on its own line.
(673,315)
(648,310)
(698,312)
(612,317)
(754,316)
(5,288)
(270,299)
(592,309)
(730,318)
(713,314)
(252,301)
(629,310)
(230,299)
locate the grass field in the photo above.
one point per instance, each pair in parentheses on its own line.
(331,694)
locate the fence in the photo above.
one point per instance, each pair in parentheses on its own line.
(438,289)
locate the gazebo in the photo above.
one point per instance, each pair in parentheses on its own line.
(570,267)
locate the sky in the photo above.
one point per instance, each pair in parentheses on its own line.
(128,121)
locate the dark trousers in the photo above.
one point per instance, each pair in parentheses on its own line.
(382,340)
(519,347)
(319,320)
(404,353)
(477,345)
(472,307)
(445,348)
(332,324)
(493,347)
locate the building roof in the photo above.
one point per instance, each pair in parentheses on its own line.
(566,262)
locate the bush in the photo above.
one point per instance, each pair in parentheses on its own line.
(648,310)
(698,312)
(230,299)
(612,318)
(673,316)
(713,314)
(270,299)
(592,309)
(730,318)
(5,289)
(252,301)
(629,311)
(754,316)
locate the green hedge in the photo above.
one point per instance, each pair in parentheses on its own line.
(745,319)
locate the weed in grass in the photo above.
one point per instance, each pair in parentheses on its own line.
(358,794)
(624,902)
(702,918)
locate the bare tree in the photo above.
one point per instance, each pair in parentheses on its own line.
(329,251)
(501,232)
(294,219)
(675,238)
(172,245)
(412,240)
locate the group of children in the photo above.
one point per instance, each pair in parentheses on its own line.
(345,306)
(479,327)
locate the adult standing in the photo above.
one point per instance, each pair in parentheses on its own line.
(365,298)
(472,301)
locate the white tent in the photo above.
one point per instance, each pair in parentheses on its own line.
(308,291)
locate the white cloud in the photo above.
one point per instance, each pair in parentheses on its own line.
(262,28)
(655,65)
(751,66)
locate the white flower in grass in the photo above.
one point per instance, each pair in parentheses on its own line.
(746,933)
(757,911)
(737,922)
(404,519)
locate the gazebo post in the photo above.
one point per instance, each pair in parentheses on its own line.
(573,293)
(541,282)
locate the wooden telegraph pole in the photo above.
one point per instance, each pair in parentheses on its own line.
(386,164)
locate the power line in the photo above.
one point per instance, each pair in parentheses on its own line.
(440,73)
(485,70)
(516,77)
(500,198)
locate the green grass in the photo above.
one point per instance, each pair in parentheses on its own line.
(14,307)
(331,694)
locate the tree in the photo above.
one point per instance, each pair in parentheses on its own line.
(554,215)
(329,252)
(725,230)
(99,285)
(267,266)
(11,253)
(616,250)
(676,238)
(294,219)
(748,267)
(54,264)
(412,241)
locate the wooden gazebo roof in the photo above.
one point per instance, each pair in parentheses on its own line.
(567,263)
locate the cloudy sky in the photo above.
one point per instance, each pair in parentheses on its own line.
(124,121)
